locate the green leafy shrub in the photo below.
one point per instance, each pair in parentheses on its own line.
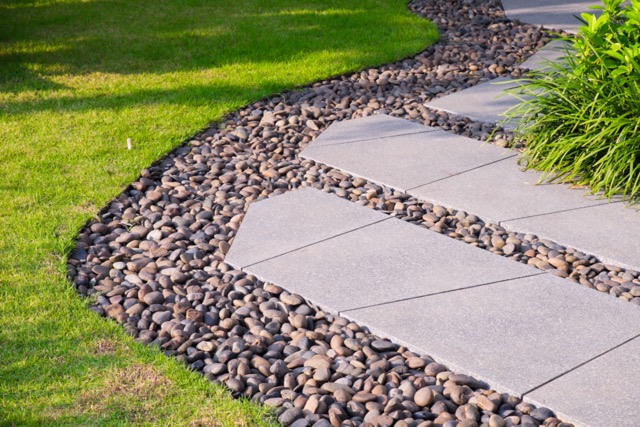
(580,117)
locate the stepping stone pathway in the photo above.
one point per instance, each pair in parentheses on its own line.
(485,180)
(525,332)
(383,247)
(521,330)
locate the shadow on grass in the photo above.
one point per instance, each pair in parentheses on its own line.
(188,95)
(70,37)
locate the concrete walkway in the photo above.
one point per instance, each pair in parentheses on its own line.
(525,332)
(532,334)
(482,179)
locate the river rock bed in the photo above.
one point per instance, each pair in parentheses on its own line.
(155,256)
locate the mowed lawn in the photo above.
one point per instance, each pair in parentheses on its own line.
(79,77)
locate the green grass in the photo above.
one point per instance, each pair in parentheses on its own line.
(79,77)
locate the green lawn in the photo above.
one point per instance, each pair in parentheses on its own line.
(79,77)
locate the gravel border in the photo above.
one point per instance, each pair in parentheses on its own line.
(155,256)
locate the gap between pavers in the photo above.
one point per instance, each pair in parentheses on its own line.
(516,334)
(289,238)
(383,262)
(501,192)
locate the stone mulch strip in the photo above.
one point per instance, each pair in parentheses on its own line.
(155,257)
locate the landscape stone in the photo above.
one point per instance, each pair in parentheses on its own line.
(423,397)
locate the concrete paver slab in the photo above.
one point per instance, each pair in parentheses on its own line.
(552,52)
(408,161)
(370,127)
(488,101)
(290,221)
(383,262)
(501,191)
(603,392)
(552,14)
(515,335)
(485,102)
(611,231)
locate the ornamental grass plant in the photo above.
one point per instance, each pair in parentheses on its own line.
(580,117)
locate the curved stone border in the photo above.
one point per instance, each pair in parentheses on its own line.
(156,257)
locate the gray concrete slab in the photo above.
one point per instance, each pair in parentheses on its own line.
(551,53)
(552,14)
(383,262)
(514,335)
(485,102)
(370,127)
(603,392)
(489,101)
(610,231)
(502,192)
(292,220)
(408,161)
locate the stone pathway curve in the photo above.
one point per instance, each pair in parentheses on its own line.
(524,332)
